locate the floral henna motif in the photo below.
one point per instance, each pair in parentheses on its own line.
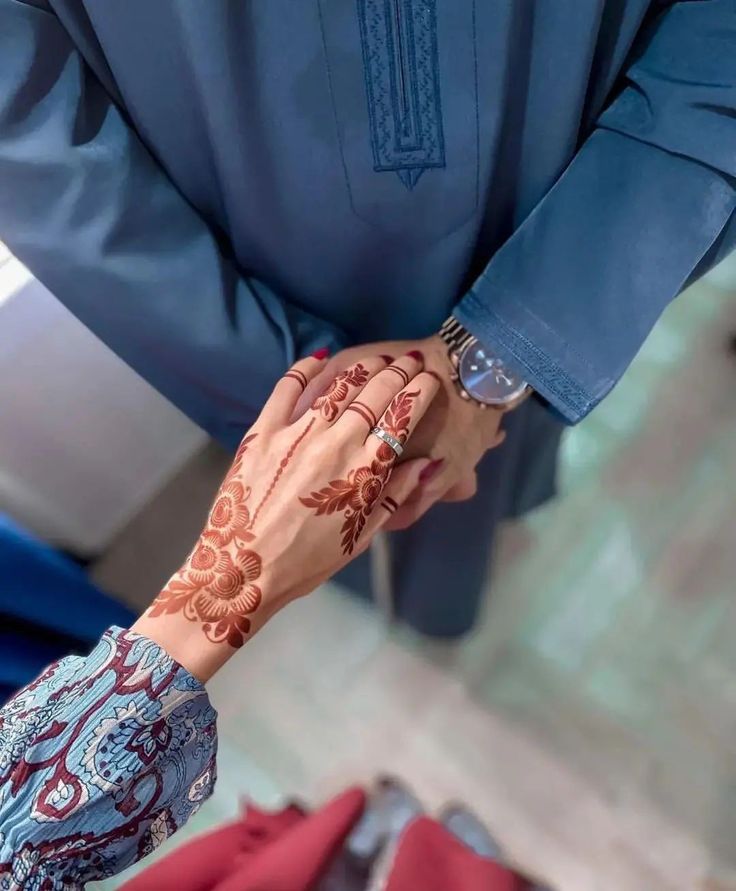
(328,403)
(355,496)
(223,602)
(216,586)
(229,518)
(207,559)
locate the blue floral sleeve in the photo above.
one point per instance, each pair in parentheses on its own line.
(101,759)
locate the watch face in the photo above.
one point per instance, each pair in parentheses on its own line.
(486,377)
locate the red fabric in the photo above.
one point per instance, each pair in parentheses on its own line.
(296,860)
(290,851)
(432,859)
(203,862)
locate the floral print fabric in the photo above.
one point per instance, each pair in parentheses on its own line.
(101,759)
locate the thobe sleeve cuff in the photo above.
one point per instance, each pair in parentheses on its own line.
(644,207)
(572,295)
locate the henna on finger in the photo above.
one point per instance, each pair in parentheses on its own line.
(389,505)
(401,373)
(365,412)
(328,403)
(356,495)
(298,376)
(396,421)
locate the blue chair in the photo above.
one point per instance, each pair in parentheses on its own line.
(48,607)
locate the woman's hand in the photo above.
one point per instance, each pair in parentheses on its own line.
(299,502)
(454,433)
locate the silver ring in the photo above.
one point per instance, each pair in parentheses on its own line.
(389,440)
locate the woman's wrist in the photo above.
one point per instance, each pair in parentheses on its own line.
(184,645)
(173,622)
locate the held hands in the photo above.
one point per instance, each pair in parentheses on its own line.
(455,433)
(302,498)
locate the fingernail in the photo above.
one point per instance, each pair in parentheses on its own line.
(388,359)
(430,471)
(321,354)
(415,354)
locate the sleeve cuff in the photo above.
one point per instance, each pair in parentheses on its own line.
(570,298)
(526,345)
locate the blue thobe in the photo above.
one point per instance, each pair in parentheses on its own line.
(216,188)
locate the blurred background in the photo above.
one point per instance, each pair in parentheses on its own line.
(590,719)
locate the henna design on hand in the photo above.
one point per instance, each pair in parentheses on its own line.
(221,604)
(389,505)
(396,421)
(229,518)
(329,402)
(217,584)
(401,373)
(357,494)
(237,464)
(282,467)
(364,411)
(298,376)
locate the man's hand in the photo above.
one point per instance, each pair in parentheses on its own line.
(456,433)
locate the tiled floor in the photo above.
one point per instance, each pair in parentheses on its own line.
(591,720)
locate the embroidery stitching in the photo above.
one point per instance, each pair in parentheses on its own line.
(401,68)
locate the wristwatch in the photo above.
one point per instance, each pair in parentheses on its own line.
(481,376)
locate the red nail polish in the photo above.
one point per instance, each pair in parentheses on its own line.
(321,354)
(430,471)
(388,359)
(415,354)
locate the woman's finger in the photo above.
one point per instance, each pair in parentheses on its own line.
(343,389)
(410,512)
(367,407)
(316,386)
(402,483)
(280,406)
(401,417)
